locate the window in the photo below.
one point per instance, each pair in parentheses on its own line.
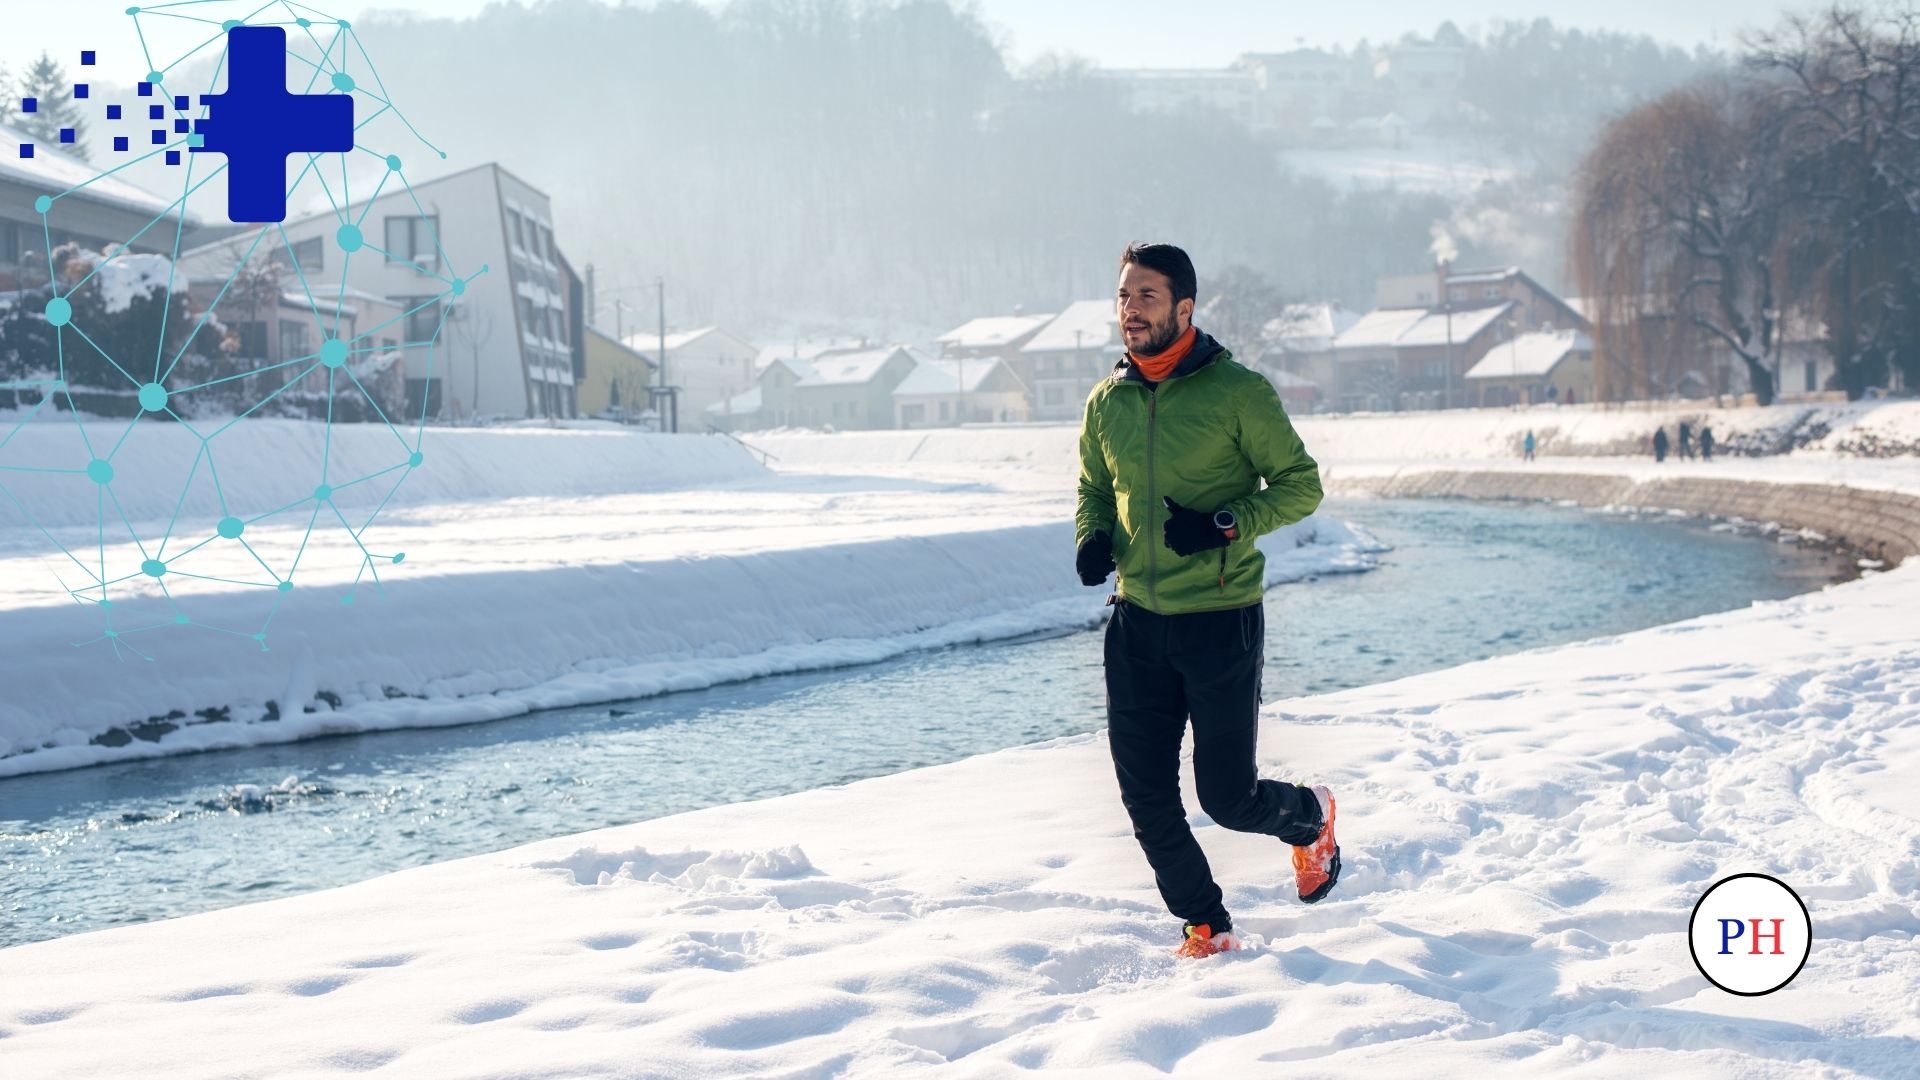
(421,324)
(513,225)
(546,244)
(252,338)
(308,253)
(293,339)
(9,243)
(1053,395)
(1493,292)
(410,239)
(1813,376)
(913,414)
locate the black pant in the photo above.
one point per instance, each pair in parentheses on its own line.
(1161,670)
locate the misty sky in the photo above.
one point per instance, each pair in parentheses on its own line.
(1116,33)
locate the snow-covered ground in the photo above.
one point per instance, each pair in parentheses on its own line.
(544,569)
(1523,837)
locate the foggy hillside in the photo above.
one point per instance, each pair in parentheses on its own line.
(796,163)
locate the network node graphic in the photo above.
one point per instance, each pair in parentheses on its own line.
(180,468)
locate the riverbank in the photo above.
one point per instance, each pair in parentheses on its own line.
(1524,839)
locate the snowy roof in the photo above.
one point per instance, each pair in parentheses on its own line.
(804,350)
(647,342)
(944,376)
(1436,329)
(1529,355)
(1308,326)
(993,331)
(52,172)
(1288,380)
(1380,327)
(846,369)
(1094,321)
(738,404)
(1481,277)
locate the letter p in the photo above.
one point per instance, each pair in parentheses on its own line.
(1739,930)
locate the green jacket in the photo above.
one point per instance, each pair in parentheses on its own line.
(1207,435)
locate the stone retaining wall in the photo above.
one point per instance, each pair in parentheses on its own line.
(1881,524)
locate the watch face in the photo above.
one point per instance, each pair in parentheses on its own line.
(1223,519)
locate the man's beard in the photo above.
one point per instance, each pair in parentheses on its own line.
(1161,336)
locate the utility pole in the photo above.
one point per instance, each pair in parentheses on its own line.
(660,285)
(619,323)
(593,299)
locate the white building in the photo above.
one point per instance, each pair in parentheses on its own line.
(1064,360)
(991,335)
(505,342)
(964,390)
(1234,91)
(710,366)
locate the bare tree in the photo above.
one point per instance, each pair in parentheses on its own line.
(1678,233)
(1847,84)
(473,327)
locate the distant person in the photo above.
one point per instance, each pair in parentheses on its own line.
(1659,444)
(1570,395)
(1706,443)
(1162,488)
(1686,440)
(1526,446)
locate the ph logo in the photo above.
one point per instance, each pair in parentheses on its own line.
(1750,934)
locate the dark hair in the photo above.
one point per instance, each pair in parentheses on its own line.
(1168,260)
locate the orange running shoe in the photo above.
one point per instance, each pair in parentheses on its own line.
(1202,942)
(1317,866)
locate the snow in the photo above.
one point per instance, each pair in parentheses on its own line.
(1437,328)
(993,331)
(1379,328)
(840,369)
(129,277)
(51,171)
(945,376)
(1535,353)
(1083,324)
(543,568)
(1308,327)
(1524,837)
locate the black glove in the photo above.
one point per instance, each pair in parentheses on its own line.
(1095,559)
(1189,532)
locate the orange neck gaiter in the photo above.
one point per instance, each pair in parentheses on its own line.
(1156,368)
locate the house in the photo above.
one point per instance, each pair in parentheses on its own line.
(1411,358)
(1539,306)
(708,364)
(1535,367)
(501,343)
(1425,80)
(615,378)
(101,216)
(1063,360)
(1302,90)
(958,391)
(1299,343)
(1298,393)
(844,391)
(1233,91)
(993,335)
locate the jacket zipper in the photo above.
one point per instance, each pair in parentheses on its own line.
(1153,563)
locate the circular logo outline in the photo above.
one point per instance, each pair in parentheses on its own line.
(1694,915)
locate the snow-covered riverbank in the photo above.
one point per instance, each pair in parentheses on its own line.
(1525,837)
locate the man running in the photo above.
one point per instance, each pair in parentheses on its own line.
(1174,446)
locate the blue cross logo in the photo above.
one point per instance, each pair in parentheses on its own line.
(257,123)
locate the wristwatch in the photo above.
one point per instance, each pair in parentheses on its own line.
(1223,520)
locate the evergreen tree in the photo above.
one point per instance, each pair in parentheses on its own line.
(46,81)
